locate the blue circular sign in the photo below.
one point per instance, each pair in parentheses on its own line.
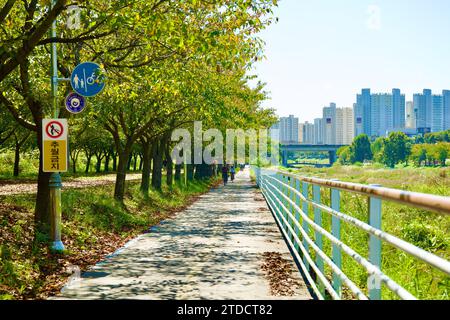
(75,103)
(87,79)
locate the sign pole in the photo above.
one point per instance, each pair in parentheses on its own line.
(55,182)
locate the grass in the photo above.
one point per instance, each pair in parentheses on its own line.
(93,226)
(424,229)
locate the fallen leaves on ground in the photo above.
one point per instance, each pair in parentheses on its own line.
(10,187)
(279,272)
(28,270)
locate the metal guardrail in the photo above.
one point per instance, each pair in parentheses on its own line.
(288,196)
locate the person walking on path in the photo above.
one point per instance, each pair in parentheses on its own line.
(232,173)
(225,175)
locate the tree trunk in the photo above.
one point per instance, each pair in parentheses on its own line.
(141,158)
(42,210)
(146,167)
(114,159)
(18,145)
(157,166)
(106,167)
(190,172)
(119,190)
(98,165)
(130,158)
(178,173)
(135,156)
(74,165)
(169,162)
(203,171)
(16,160)
(88,163)
(74,158)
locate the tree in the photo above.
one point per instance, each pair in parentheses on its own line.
(158,56)
(443,151)
(7,126)
(435,137)
(20,137)
(344,154)
(360,150)
(377,149)
(26,23)
(418,154)
(396,149)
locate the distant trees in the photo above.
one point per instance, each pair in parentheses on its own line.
(430,154)
(436,137)
(430,150)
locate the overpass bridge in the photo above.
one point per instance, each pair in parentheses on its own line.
(287,149)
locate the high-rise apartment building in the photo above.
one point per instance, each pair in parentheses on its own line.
(345,127)
(362,112)
(410,115)
(329,118)
(308,133)
(358,124)
(381,119)
(432,111)
(376,114)
(437,113)
(318,131)
(423,107)
(398,109)
(289,129)
(446,108)
(301,138)
(274,132)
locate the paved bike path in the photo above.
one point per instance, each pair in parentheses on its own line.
(212,250)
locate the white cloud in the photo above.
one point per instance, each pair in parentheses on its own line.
(374,17)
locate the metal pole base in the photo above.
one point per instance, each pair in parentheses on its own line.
(58,246)
(55,211)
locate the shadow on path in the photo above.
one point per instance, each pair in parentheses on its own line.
(212,250)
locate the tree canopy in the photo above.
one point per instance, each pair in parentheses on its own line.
(167,64)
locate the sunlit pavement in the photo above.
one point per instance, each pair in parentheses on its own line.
(212,250)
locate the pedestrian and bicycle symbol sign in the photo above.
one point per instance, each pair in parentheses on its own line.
(75,103)
(54,142)
(88,79)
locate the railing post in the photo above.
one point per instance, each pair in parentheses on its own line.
(336,232)
(295,183)
(318,236)
(259,179)
(305,209)
(286,203)
(279,178)
(375,245)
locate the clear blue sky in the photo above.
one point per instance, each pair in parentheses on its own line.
(325,51)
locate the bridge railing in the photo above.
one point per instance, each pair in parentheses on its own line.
(289,197)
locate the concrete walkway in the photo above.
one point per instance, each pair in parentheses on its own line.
(212,250)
